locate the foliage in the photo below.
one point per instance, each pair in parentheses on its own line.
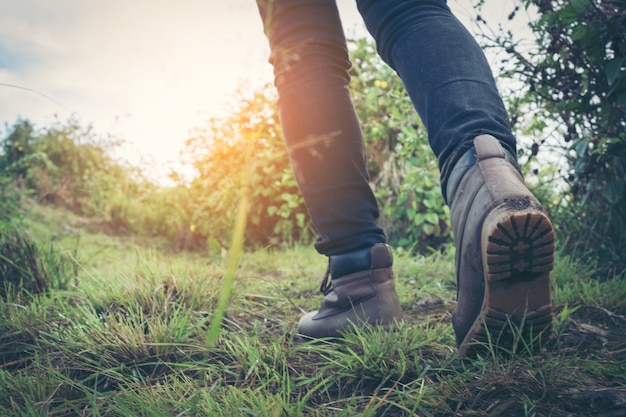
(11,174)
(241,153)
(10,202)
(69,165)
(244,153)
(16,147)
(403,169)
(576,93)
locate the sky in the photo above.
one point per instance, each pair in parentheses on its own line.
(146,71)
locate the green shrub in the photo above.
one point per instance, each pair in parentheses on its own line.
(17,145)
(69,165)
(403,170)
(12,149)
(242,153)
(10,202)
(574,105)
(245,153)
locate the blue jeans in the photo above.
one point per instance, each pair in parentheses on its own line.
(443,70)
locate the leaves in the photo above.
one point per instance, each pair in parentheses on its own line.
(613,69)
(403,171)
(245,150)
(576,99)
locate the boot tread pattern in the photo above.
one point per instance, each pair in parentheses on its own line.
(523,244)
(518,259)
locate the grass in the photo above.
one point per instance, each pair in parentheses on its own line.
(127,337)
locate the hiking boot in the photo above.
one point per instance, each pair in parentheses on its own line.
(362,291)
(505,252)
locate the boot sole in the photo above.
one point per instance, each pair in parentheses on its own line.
(518,255)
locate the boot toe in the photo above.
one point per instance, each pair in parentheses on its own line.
(362,298)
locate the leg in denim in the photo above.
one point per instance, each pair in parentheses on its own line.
(445,73)
(321,129)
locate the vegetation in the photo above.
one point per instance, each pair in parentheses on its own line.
(245,153)
(403,172)
(28,268)
(128,337)
(69,165)
(110,285)
(573,104)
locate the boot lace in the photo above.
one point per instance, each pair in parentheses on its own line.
(327,285)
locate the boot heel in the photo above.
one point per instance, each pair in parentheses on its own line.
(518,255)
(505,252)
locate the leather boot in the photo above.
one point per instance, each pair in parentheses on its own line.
(362,291)
(505,252)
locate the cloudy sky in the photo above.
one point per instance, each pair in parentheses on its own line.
(147,71)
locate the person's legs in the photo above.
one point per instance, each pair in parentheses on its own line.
(322,132)
(445,73)
(327,152)
(505,242)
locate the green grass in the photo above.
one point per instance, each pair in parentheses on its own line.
(127,337)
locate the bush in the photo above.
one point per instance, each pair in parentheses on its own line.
(10,202)
(403,170)
(68,165)
(241,154)
(576,95)
(245,153)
